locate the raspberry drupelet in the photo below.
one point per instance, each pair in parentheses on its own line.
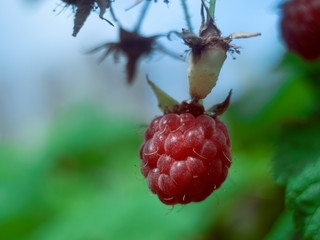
(185,157)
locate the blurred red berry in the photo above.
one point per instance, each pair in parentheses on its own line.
(185,158)
(300,27)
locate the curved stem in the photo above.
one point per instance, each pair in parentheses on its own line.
(212,7)
(142,15)
(112,14)
(186,14)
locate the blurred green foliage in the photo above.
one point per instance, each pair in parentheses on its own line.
(83,183)
(297,147)
(296,160)
(283,228)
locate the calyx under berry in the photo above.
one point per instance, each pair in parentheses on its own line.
(169,105)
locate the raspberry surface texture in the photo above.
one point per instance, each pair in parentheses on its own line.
(185,158)
(300,27)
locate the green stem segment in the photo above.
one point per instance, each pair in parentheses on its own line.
(142,15)
(212,7)
(186,14)
(113,15)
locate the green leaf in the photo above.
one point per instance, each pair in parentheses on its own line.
(166,103)
(296,148)
(303,196)
(283,228)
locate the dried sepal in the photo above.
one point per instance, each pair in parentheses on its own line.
(190,106)
(237,35)
(220,108)
(83,8)
(209,35)
(111,47)
(103,5)
(195,43)
(133,46)
(208,27)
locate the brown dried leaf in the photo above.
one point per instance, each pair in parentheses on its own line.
(220,108)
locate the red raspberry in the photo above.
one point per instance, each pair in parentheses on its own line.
(185,158)
(300,27)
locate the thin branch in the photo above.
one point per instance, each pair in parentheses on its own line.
(112,14)
(186,14)
(142,15)
(135,4)
(212,7)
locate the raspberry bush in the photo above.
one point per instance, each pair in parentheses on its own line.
(186,152)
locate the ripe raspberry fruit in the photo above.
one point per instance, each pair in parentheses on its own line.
(300,27)
(185,157)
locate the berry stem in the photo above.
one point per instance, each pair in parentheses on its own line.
(212,7)
(142,15)
(112,14)
(186,14)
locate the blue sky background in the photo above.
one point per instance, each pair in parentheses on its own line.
(43,68)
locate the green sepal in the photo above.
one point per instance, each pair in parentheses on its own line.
(165,102)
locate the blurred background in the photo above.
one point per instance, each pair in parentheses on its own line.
(70,128)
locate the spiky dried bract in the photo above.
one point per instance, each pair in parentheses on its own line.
(300,27)
(83,10)
(134,46)
(185,157)
(103,5)
(208,36)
